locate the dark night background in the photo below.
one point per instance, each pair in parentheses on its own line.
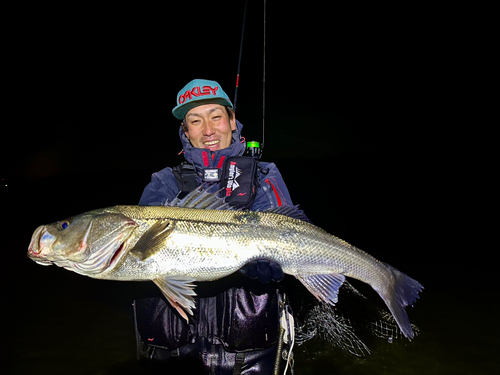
(376,117)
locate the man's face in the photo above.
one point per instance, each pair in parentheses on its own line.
(208,126)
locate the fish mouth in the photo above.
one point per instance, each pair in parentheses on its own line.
(43,262)
(36,250)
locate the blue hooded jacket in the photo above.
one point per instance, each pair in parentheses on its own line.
(163,187)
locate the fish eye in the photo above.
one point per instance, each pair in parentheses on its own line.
(63,225)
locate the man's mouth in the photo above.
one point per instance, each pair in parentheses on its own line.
(211,144)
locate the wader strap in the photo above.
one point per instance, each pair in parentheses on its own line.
(238,363)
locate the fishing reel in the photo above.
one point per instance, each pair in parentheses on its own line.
(253,150)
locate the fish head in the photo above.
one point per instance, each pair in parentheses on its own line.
(87,244)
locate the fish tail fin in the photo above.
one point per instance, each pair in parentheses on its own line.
(404,292)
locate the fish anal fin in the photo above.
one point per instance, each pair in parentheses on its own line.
(179,293)
(179,309)
(323,287)
(153,239)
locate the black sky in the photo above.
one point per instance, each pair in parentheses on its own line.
(92,88)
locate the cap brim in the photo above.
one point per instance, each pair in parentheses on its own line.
(180,111)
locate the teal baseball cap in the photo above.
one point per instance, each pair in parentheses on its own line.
(199,92)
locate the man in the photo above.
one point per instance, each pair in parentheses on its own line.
(235,328)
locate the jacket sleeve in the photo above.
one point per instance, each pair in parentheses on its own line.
(272,191)
(162,188)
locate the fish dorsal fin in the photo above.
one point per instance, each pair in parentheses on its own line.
(179,293)
(206,197)
(290,211)
(153,240)
(323,287)
(202,197)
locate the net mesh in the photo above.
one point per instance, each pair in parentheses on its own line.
(343,324)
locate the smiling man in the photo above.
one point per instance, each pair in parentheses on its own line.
(235,327)
(209,126)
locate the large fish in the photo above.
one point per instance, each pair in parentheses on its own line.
(201,239)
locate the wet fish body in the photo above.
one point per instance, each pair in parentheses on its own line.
(176,246)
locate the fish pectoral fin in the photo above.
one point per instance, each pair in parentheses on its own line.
(153,239)
(179,293)
(323,287)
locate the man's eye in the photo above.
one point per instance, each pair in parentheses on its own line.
(217,118)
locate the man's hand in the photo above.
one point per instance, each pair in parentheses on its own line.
(264,270)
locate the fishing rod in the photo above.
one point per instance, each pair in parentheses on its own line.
(254,148)
(264,78)
(241,53)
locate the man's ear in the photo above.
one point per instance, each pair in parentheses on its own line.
(233,123)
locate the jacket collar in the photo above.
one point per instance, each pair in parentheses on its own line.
(204,158)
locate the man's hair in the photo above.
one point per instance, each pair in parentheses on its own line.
(230,114)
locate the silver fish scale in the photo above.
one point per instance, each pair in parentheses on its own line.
(205,247)
(209,244)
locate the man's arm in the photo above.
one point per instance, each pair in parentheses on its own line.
(272,192)
(162,188)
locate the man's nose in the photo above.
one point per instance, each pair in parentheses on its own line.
(208,129)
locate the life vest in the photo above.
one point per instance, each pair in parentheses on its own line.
(238,179)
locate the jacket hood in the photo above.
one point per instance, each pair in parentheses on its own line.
(203,158)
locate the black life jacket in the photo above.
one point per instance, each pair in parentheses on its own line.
(186,177)
(238,177)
